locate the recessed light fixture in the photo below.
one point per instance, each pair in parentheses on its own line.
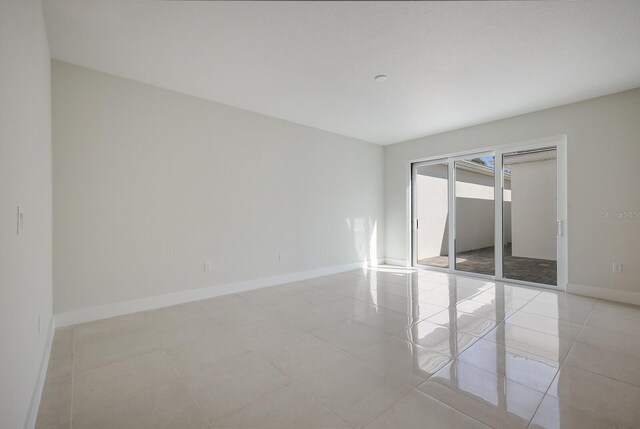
(381,78)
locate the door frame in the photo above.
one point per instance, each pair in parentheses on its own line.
(562,236)
(413,221)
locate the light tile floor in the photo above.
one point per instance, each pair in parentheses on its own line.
(381,348)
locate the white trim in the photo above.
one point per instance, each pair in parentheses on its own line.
(451,216)
(127,307)
(498,214)
(563,210)
(412,211)
(410,240)
(617,295)
(412,214)
(397,262)
(506,146)
(34,405)
(559,141)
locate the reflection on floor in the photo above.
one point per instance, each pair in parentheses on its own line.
(381,348)
(481,261)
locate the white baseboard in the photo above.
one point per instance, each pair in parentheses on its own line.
(602,293)
(379,261)
(127,307)
(34,405)
(397,262)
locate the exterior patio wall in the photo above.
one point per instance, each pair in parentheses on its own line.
(534,209)
(475,212)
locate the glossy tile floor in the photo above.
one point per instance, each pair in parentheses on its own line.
(377,349)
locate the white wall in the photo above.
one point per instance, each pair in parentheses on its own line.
(149,184)
(25,180)
(533,212)
(603,148)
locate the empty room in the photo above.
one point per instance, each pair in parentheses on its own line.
(319,214)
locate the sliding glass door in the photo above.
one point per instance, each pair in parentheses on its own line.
(431,214)
(529,216)
(462,206)
(474,226)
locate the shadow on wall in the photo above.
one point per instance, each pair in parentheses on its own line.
(475,210)
(468,233)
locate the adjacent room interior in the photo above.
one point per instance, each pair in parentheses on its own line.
(320,214)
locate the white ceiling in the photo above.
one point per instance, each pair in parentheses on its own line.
(450,64)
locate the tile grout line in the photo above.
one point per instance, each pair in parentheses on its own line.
(295,380)
(561,365)
(278,390)
(593,345)
(470,364)
(209,421)
(412,388)
(453,408)
(466,348)
(390,406)
(367,365)
(184,384)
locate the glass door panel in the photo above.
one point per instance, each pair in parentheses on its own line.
(493,213)
(431,214)
(529,214)
(475,214)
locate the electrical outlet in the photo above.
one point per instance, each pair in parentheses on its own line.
(207,267)
(616,267)
(281,257)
